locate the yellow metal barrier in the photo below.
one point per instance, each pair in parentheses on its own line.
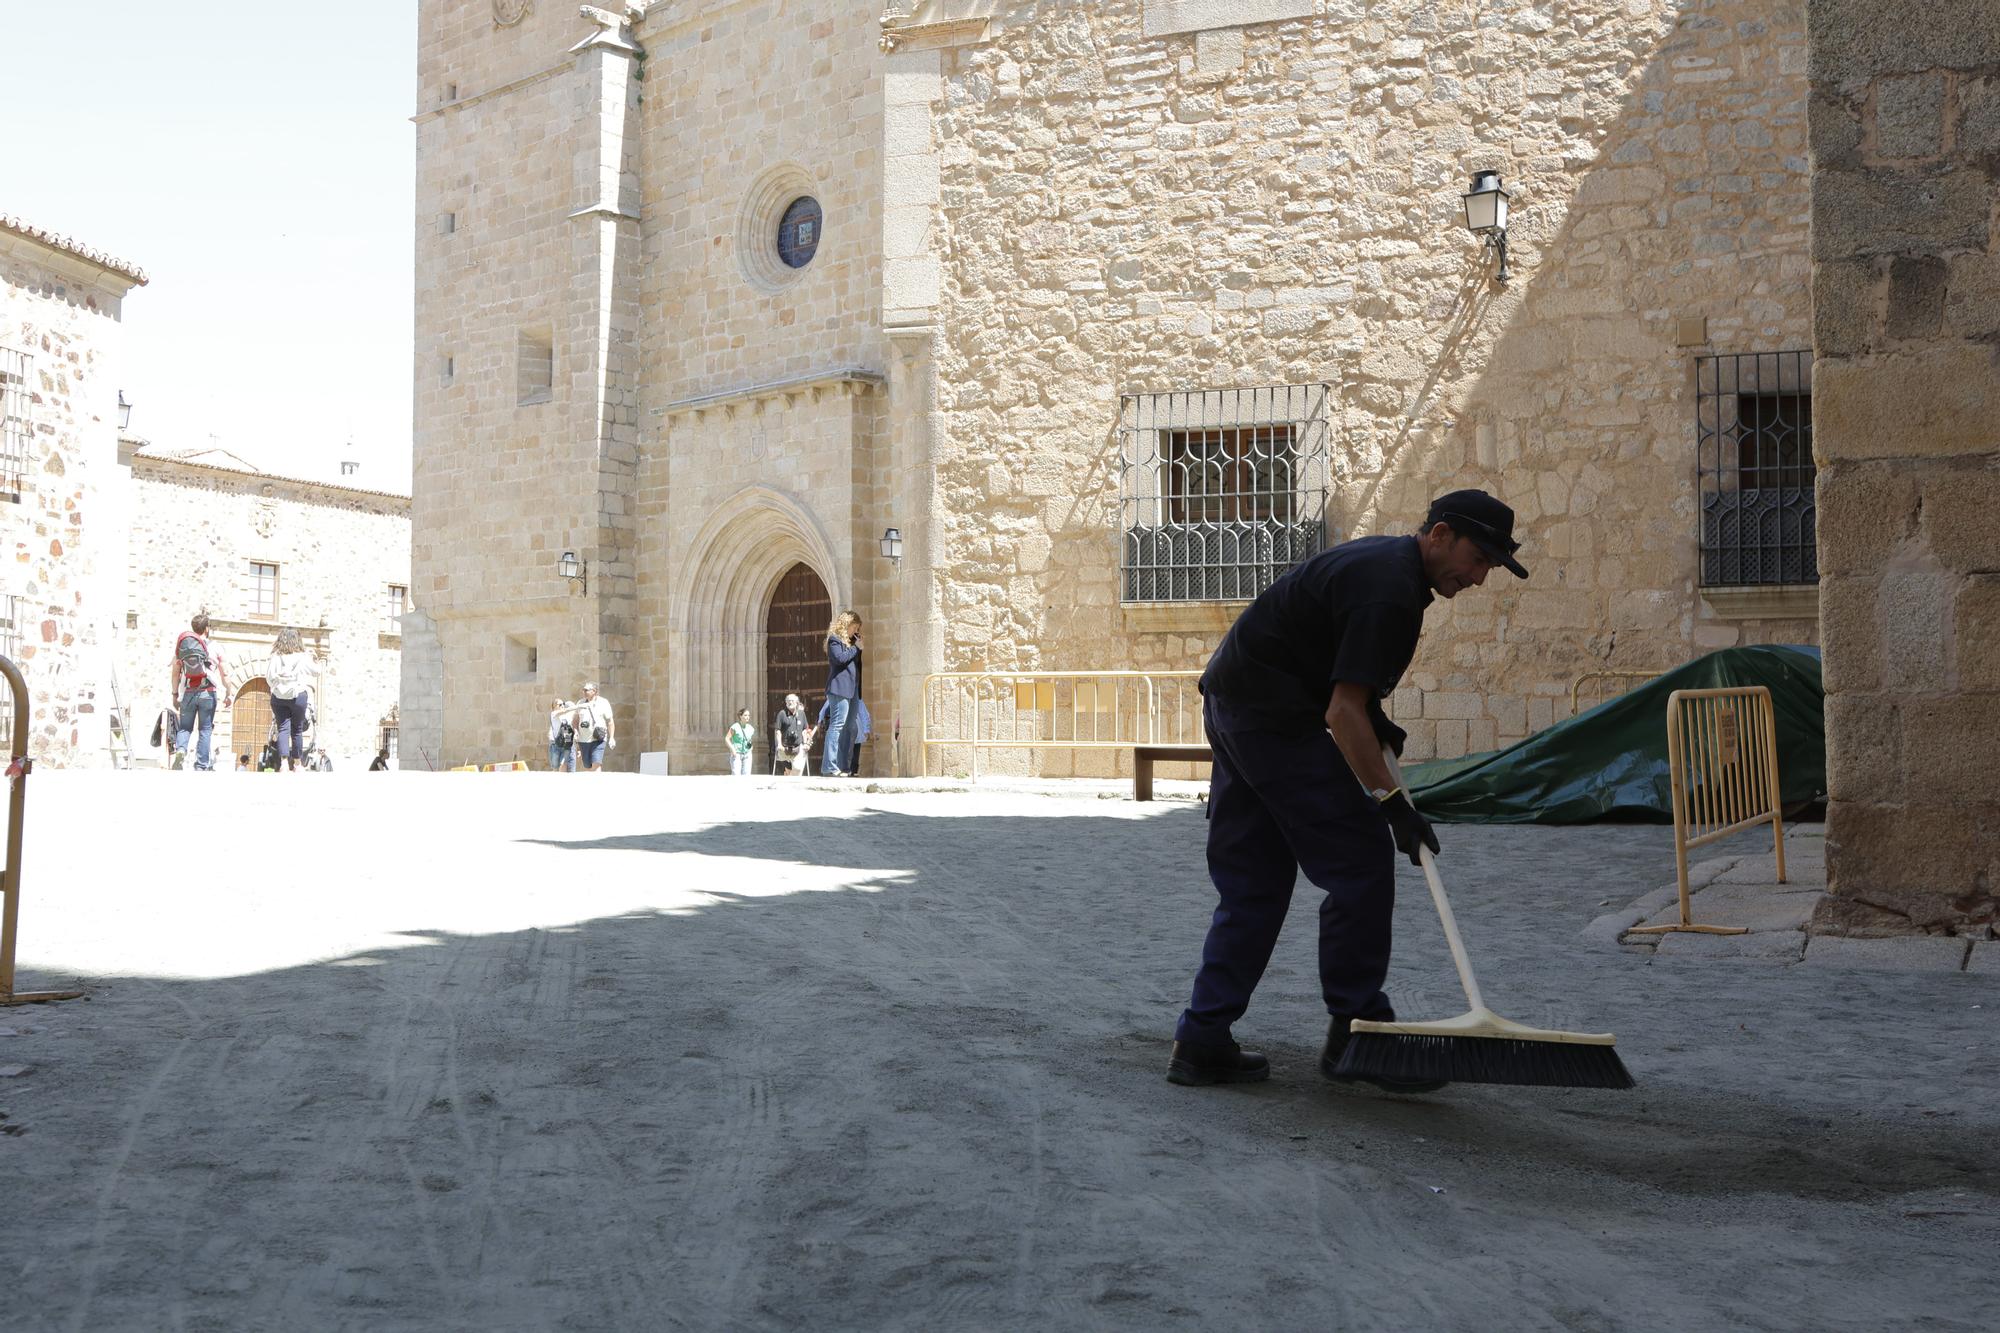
(1722,757)
(1058,710)
(18,768)
(1576,686)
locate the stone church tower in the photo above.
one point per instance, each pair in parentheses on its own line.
(1114,310)
(615,359)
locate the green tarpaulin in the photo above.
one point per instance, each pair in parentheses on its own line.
(1611,762)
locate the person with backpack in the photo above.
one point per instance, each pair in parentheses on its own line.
(290,673)
(198,680)
(562,737)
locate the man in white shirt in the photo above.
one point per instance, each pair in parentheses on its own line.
(596,732)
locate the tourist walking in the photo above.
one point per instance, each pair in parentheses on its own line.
(843,688)
(289,674)
(596,730)
(1291,702)
(742,739)
(792,735)
(562,737)
(197,681)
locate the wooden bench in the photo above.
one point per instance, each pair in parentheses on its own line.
(1145,756)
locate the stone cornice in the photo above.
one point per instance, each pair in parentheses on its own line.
(330,490)
(924,24)
(86,261)
(849,380)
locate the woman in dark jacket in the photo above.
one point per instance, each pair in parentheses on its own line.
(843,687)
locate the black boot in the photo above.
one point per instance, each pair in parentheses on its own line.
(1329,1060)
(1195,1066)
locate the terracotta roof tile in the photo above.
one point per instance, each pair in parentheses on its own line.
(70,245)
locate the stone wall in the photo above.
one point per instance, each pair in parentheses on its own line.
(62,560)
(1278,203)
(761,384)
(619,196)
(1906,250)
(195,531)
(516,241)
(1031,209)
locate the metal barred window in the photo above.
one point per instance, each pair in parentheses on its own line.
(1754,469)
(1220,490)
(16,424)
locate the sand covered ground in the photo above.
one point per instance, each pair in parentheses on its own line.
(407,1051)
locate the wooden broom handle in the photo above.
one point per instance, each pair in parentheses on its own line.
(1450,922)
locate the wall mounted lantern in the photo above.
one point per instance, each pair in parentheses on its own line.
(575,570)
(1486,215)
(892,544)
(124,412)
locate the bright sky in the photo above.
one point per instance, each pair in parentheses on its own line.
(258,161)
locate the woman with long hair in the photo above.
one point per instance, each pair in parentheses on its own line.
(290,674)
(843,688)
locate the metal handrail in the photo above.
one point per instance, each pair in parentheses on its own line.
(993,699)
(17,806)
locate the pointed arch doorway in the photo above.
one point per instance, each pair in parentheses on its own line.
(795,644)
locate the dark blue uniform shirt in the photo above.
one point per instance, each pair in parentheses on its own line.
(1352,613)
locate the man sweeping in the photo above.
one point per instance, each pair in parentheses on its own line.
(1292,705)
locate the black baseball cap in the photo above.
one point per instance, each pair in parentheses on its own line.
(1486,521)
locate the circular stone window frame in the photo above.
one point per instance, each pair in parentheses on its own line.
(757,221)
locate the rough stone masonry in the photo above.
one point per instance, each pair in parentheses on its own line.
(1905,117)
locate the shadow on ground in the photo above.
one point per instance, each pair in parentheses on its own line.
(931,1096)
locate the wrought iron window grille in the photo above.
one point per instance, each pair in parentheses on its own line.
(17,427)
(1220,490)
(1754,470)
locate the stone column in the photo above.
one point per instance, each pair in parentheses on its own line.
(605,380)
(912,274)
(1905,138)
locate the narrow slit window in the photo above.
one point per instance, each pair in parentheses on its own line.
(535,363)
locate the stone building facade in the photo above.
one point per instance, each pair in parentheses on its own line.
(258,552)
(1906,251)
(1036,221)
(61,306)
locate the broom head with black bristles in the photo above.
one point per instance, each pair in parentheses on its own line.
(1479,1046)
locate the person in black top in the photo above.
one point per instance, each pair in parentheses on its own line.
(843,691)
(1292,703)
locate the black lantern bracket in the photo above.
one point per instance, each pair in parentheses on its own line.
(1486,216)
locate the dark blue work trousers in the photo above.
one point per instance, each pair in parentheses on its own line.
(1280,802)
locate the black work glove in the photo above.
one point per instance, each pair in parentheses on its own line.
(1411,829)
(1386,732)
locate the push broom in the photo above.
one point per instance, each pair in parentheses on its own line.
(1478,1046)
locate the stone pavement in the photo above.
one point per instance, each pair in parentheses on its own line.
(1741,888)
(531,1051)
